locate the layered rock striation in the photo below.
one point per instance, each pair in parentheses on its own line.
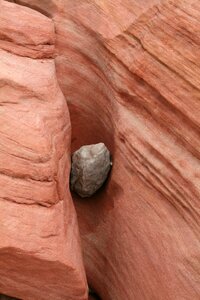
(129,71)
(40,255)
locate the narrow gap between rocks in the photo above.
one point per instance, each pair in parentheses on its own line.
(91,126)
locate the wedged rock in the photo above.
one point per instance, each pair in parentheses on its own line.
(90,167)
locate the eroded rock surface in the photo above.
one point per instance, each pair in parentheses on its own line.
(134,85)
(90,167)
(40,254)
(130,73)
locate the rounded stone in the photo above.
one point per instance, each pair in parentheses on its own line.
(90,167)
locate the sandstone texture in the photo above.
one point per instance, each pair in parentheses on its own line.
(40,254)
(90,167)
(130,73)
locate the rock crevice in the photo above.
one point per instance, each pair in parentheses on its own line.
(129,71)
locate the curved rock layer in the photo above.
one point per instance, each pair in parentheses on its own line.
(130,73)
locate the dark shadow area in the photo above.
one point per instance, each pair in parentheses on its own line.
(4,297)
(97,203)
(93,295)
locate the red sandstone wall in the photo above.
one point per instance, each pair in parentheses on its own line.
(40,254)
(129,71)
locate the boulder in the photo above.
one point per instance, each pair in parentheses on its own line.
(90,167)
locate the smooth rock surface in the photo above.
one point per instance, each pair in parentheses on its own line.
(130,73)
(90,167)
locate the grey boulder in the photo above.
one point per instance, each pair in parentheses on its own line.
(90,167)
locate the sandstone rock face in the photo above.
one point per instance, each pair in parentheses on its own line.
(90,167)
(40,254)
(130,73)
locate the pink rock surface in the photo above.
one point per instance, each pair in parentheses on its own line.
(130,73)
(40,254)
